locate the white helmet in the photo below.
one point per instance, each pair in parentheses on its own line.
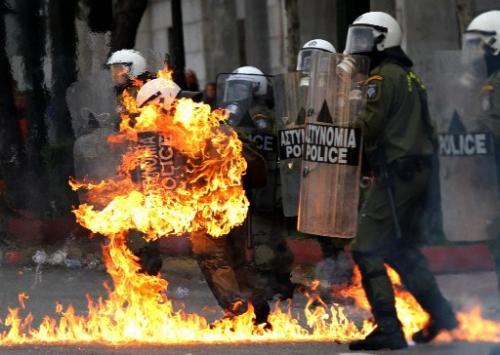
(304,57)
(373,30)
(245,82)
(126,63)
(483,33)
(160,91)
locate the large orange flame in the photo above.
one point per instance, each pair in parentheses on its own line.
(189,166)
(207,196)
(472,327)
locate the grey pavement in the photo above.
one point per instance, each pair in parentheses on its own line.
(70,286)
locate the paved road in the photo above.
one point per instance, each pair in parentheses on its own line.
(70,286)
(264,349)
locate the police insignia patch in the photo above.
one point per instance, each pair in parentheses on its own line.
(486,102)
(371,91)
(486,97)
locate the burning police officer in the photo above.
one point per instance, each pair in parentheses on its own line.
(221,260)
(127,66)
(399,140)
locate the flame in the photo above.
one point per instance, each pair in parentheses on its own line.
(472,326)
(165,73)
(196,187)
(137,310)
(201,191)
(411,315)
(181,172)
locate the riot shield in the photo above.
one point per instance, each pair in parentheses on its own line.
(249,101)
(92,102)
(290,97)
(331,159)
(468,175)
(250,110)
(92,105)
(161,165)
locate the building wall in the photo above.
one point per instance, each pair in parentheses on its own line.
(277,35)
(213,40)
(427,27)
(221,44)
(193,37)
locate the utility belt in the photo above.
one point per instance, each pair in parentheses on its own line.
(406,167)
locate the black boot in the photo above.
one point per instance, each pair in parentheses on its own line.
(285,290)
(383,337)
(238,307)
(434,327)
(442,317)
(261,310)
(150,259)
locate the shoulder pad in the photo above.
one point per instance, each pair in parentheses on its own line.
(375,77)
(487,88)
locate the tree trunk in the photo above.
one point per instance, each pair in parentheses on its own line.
(465,13)
(62,14)
(63,35)
(178,58)
(221,40)
(100,18)
(257,35)
(32,46)
(11,144)
(293,30)
(127,17)
(347,12)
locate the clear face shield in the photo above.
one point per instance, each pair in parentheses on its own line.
(238,94)
(473,48)
(238,90)
(120,73)
(304,60)
(360,39)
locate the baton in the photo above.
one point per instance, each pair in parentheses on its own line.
(390,195)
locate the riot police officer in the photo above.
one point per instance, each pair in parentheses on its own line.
(399,140)
(247,95)
(336,266)
(129,72)
(482,39)
(127,65)
(308,50)
(230,282)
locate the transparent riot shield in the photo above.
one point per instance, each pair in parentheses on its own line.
(92,105)
(331,159)
(290,97)
(468,174)
(249,101)
(92,100)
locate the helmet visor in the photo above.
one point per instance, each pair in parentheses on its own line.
(304,60)
(473,48)
(360,39)
(119,73)
(237,90)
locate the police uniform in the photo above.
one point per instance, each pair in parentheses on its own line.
(223,262)
(273,259)
(396,127)
(490,117)
(231,280)
(148,252)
